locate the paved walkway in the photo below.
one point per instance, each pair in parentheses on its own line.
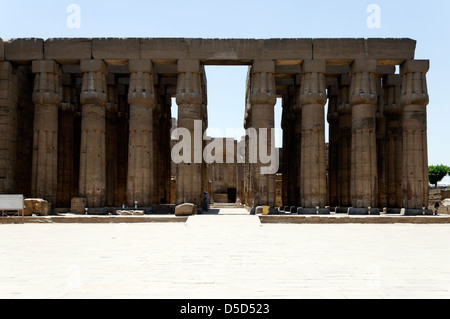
(227,255)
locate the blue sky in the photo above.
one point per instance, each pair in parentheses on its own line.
(425,21)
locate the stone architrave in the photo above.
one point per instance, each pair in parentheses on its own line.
(414,99)
(190,103)
(141,97)
(313,98)
(262,99)
(46,98)
(363,98)
(93,127)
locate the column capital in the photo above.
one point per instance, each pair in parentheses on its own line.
(47,90)
(191,66)
(45,66)
(267,66)
(93,66)
(94,88)
(414,83)
(364,85)
(413,66)
(313,85)
(360,66)
(392,95)
(140,66)
(314,66)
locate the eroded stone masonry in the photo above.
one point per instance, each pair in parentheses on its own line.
(91,119)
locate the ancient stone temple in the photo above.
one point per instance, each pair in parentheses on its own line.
(92,119)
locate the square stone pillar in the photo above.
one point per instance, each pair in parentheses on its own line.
(46,98)
(93,127)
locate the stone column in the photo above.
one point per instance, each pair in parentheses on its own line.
(92,156)
(263,99)
(111,137)
(363,97)
(141,97)
(345,143)
(296,150)
(47,98)
(190,110)
(333,121)
(414,99)
(313,170)
(394,149)
(381,147)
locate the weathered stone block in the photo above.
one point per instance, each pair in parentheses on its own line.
(141,66)
(364,211)
(188,66)
(24,50)
(415,66)
(391,49)
(164,49)
(263,66)
(287,49)
(335,49)
(185,210)
(313,211)
(36,206)
(116,49)
(45,66)
(78,205)
(68,50)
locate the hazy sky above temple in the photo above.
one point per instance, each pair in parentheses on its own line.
(425,21)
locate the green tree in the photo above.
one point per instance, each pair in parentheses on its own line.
(437,173)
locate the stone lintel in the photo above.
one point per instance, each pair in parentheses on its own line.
(45,66)
(339,49)
(415,66)
(311,66)
(24,50)
(141,66)
(93,66)
(390,49)
(116,48)
(359,66)
(189,66)
(263,66)
(68,51)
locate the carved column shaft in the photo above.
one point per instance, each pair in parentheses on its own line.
(313,98)
(263,99)
(47,98)
(190,104)
(141,97)
(345,141)
(333,121)
(93,155)
(363,98)
(414,98)
(394,149)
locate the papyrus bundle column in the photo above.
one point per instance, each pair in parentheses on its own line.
(414,98)
(190,110)
(394,149)
(333,159)
(345,141)
(141,152)
(363,98)
(93,127)
(47,98)
(313,98)
(262,99)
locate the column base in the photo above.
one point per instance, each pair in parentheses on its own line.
(364,211)
(418,212)
(342,210)
(313,211)
(395,211)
